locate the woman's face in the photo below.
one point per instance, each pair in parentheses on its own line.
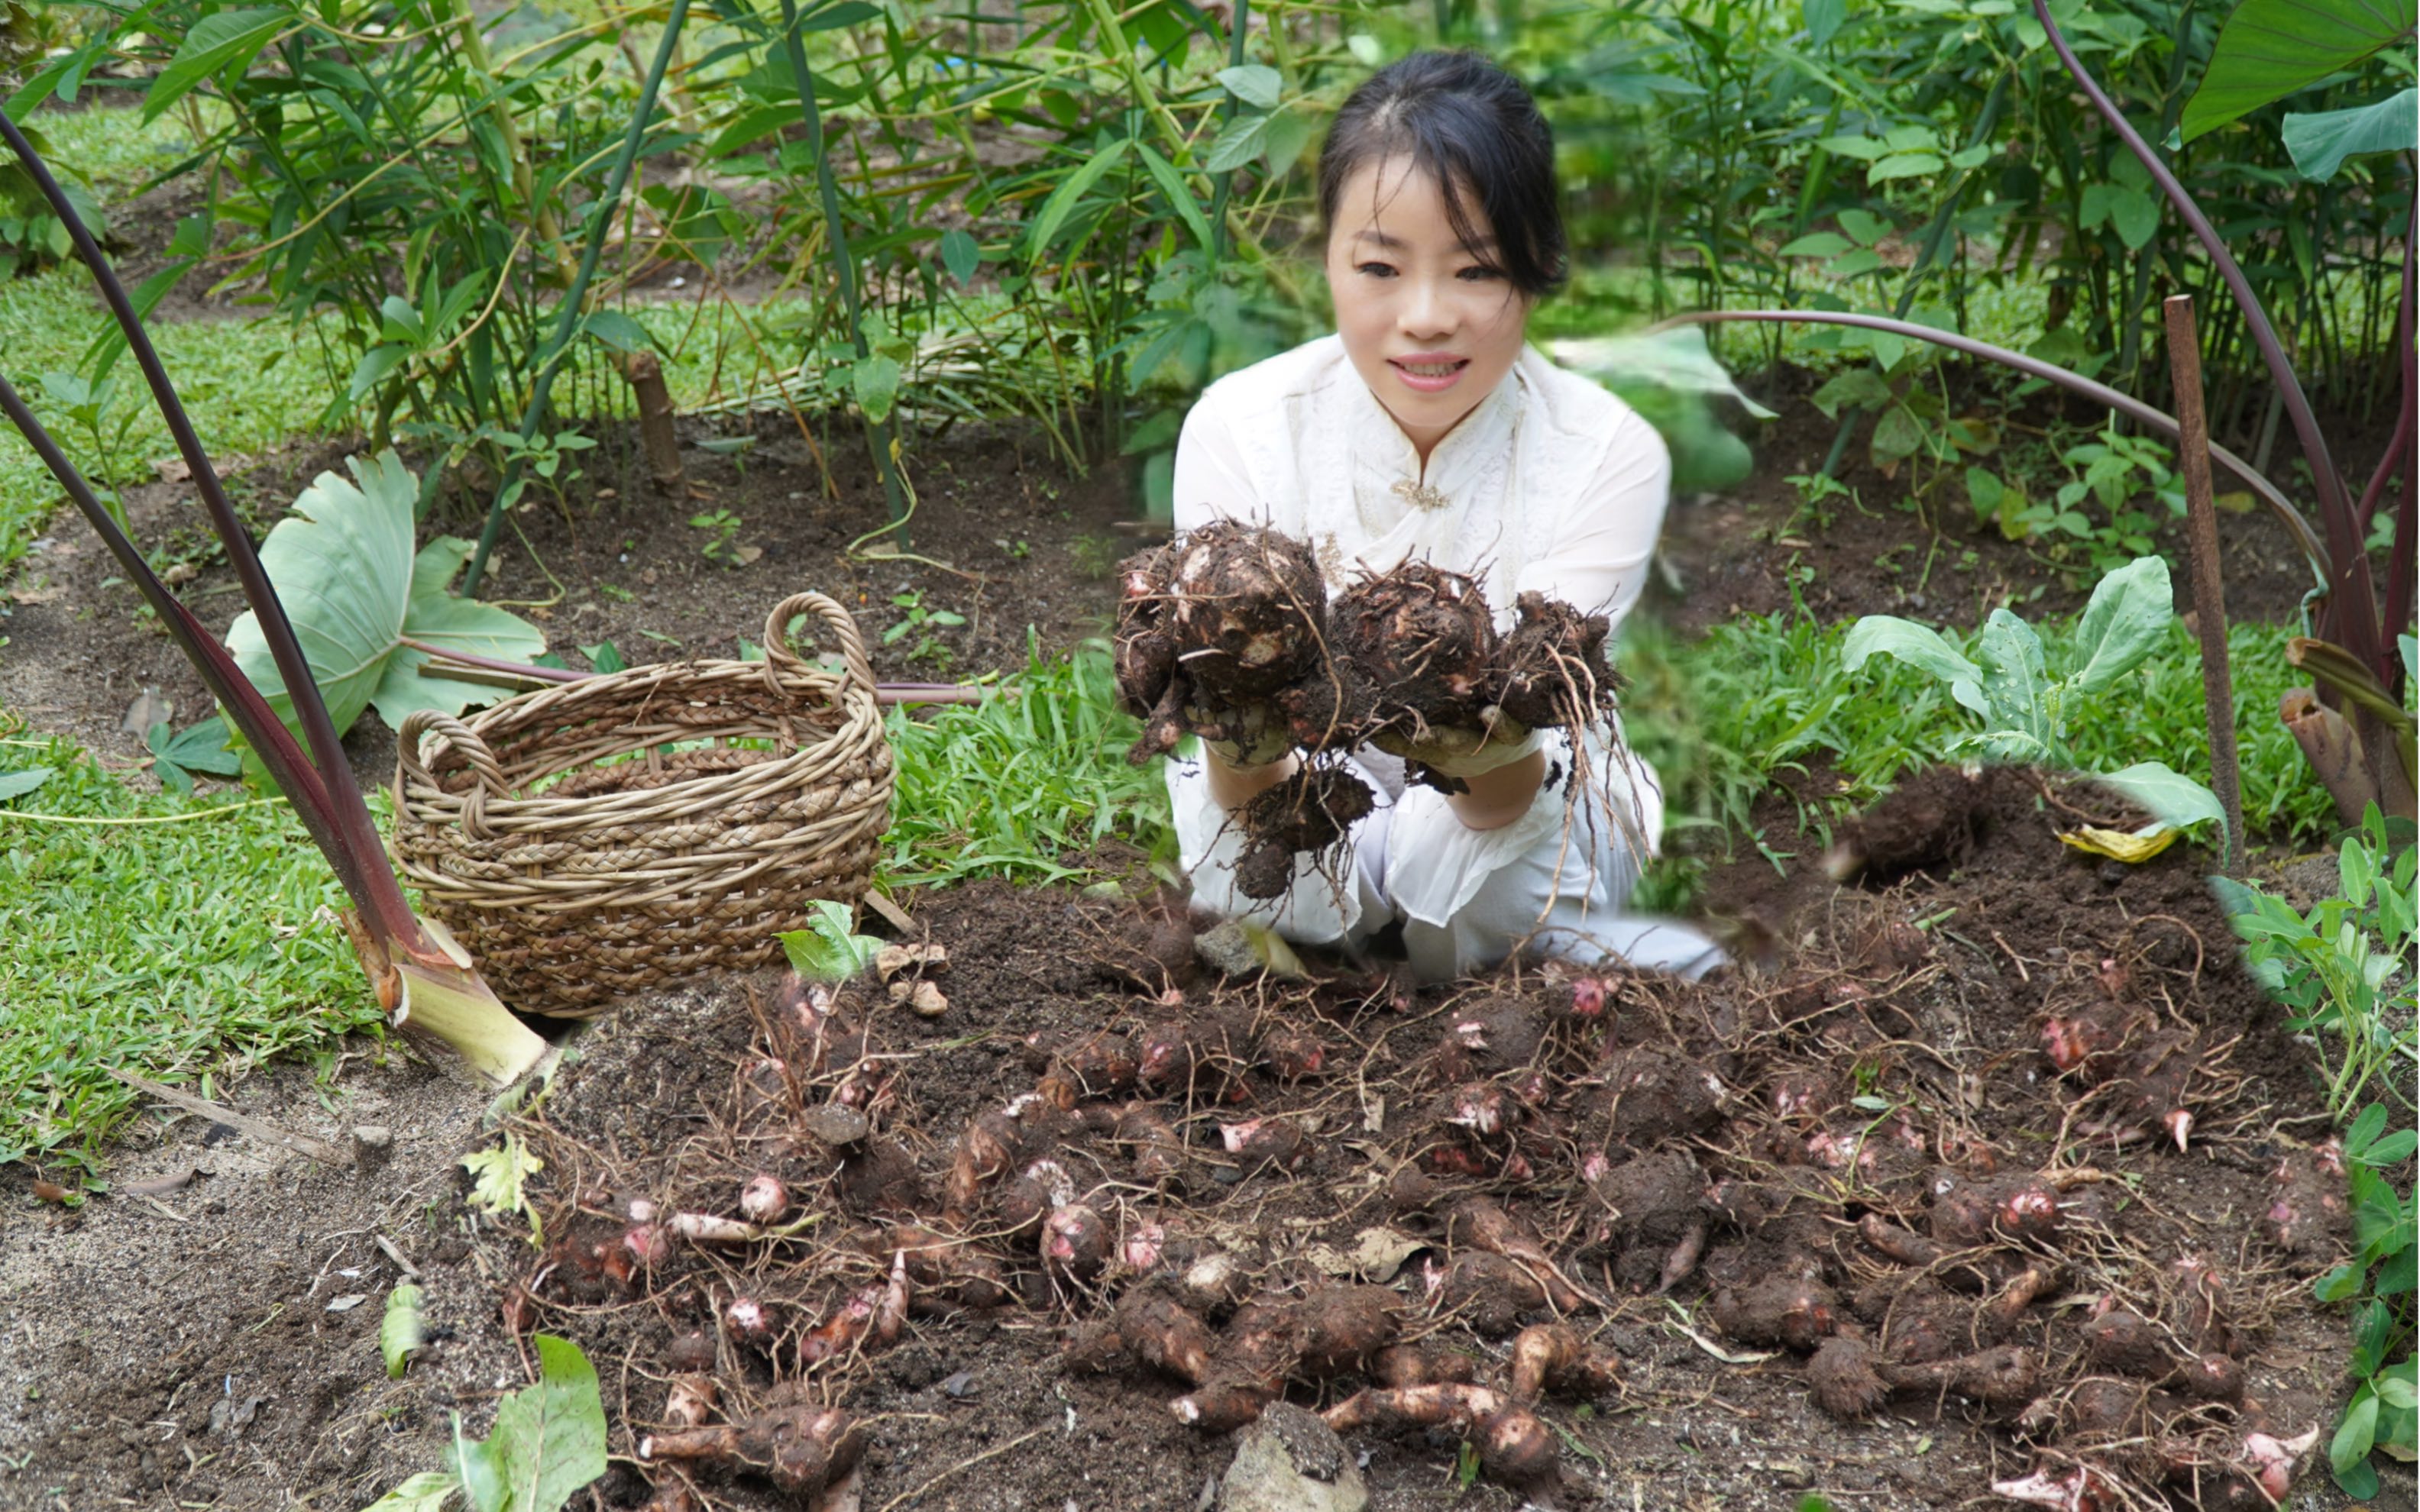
(1432,325)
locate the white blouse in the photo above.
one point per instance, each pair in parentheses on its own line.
(1550,484)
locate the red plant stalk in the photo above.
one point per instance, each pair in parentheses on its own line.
(424,981)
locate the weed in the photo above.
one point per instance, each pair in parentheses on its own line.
(722,527)
(1094,556)
(920,623)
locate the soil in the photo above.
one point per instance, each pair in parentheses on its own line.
(180,1347)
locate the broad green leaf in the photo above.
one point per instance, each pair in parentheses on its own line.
(1863,149)
(2125,621)
(617,331)
(2356,1433)
(343,565)
(1288,133)
(827,949)
(1255,84)
(2320,142)
(1817,244)
(2137,216)
(1897,434)
(372,370)
(1904,165)
(17,784)
(604,657)
(474,1465)
(2015,685)
(549,1438)
(427,1491)
(1240,141)
(961,255)
(1678,360)
(2170,797)
(229,40)
(1856,388)
(874,380)
(1180,198)
(400,1333)
(1822,19)
(1919,646)
(1863,227)
(2269,48)
(1072,188)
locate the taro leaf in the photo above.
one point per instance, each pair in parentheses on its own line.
(827,949)
(2170,797)
(428,1492)
(2269,48)
(2016,689)
(2320,142)
(400,1331)
(17,784)
(343,565)
(549,1438)
(1919,646)
(2126,621)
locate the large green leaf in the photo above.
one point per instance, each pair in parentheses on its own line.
(2168,795)
(2271,48)
(549,1438)
(1918,646)
(1071,188)
(343,565)
(2320,142)
(1677,359)
(2126,621)
(229,40)
(428,1492)
(2016,686)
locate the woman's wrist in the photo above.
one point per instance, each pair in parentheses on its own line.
(1232,786)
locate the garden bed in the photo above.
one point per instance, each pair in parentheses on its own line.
(183,1343)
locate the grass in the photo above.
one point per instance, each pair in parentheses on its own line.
(1010,787)
(173,946)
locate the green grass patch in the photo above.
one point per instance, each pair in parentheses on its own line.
(156,940)
(1010,786)
(1766,696)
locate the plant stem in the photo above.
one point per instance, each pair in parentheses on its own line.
(2209,590)
(601,221)
(880,432)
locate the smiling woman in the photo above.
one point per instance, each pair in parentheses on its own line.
(1427,430)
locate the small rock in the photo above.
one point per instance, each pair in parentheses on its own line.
(833,1124)
(372,1144)
(1291,1461)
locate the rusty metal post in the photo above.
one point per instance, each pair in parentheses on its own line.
(2208,592)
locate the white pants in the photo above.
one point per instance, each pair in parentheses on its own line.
(1553,880)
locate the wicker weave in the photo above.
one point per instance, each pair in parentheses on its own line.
(578,862)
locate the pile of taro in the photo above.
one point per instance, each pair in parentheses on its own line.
(1821,1166)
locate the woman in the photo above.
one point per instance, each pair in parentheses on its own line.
(1427,429)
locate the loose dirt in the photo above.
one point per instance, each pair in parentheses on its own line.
(1862,1140)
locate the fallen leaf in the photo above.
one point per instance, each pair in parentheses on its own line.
(347,1302)
(173,470)
(1375,1253)
(2117,844)
(149,707)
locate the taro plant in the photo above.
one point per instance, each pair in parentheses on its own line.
(2027,710)
(424,981)
(2353,728)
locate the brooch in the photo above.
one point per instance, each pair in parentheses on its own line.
(1420,494)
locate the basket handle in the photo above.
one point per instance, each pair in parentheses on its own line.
(844,629)
(453,733)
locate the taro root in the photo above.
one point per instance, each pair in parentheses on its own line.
(1779,1310)
(2149,1095)
(1145,652)
(2127,1343)
(1201,1053)
(1851,1381)
(995,1142)
(1421,638)
(1341,1327)
(1039,1190)
(871,1318)
(1652,1096)
(1293,1054)
(1256,1143)
(1492,1289)
(1490,1036)
(880,1176)
(1157,1153)
(1308,813)
(1422,1364)
(1511,1444)
(1075,1243)
(1551,669)
(1553,1357)
(801,1448)
(1099,1064)
(1164,1335)
(1480,1223)
(1932,819)
(2088,1043)
(1656,1217)
(1248,612)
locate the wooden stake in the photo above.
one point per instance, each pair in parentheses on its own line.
(2208,592)
(655,437)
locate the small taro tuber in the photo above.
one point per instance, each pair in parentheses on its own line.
(1850,1381)
(1553,1357)
(1512,1445)
(1341,1327)
(801,1448)
(1423,639)
(1552,667)
(1780,1309)
(1307,813)
(1480,1223)
(1164,1335)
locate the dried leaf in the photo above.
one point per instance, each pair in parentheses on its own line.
(2117,844)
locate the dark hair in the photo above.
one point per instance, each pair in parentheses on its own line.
(1469,125)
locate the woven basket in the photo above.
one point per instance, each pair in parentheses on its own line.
(578,861)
